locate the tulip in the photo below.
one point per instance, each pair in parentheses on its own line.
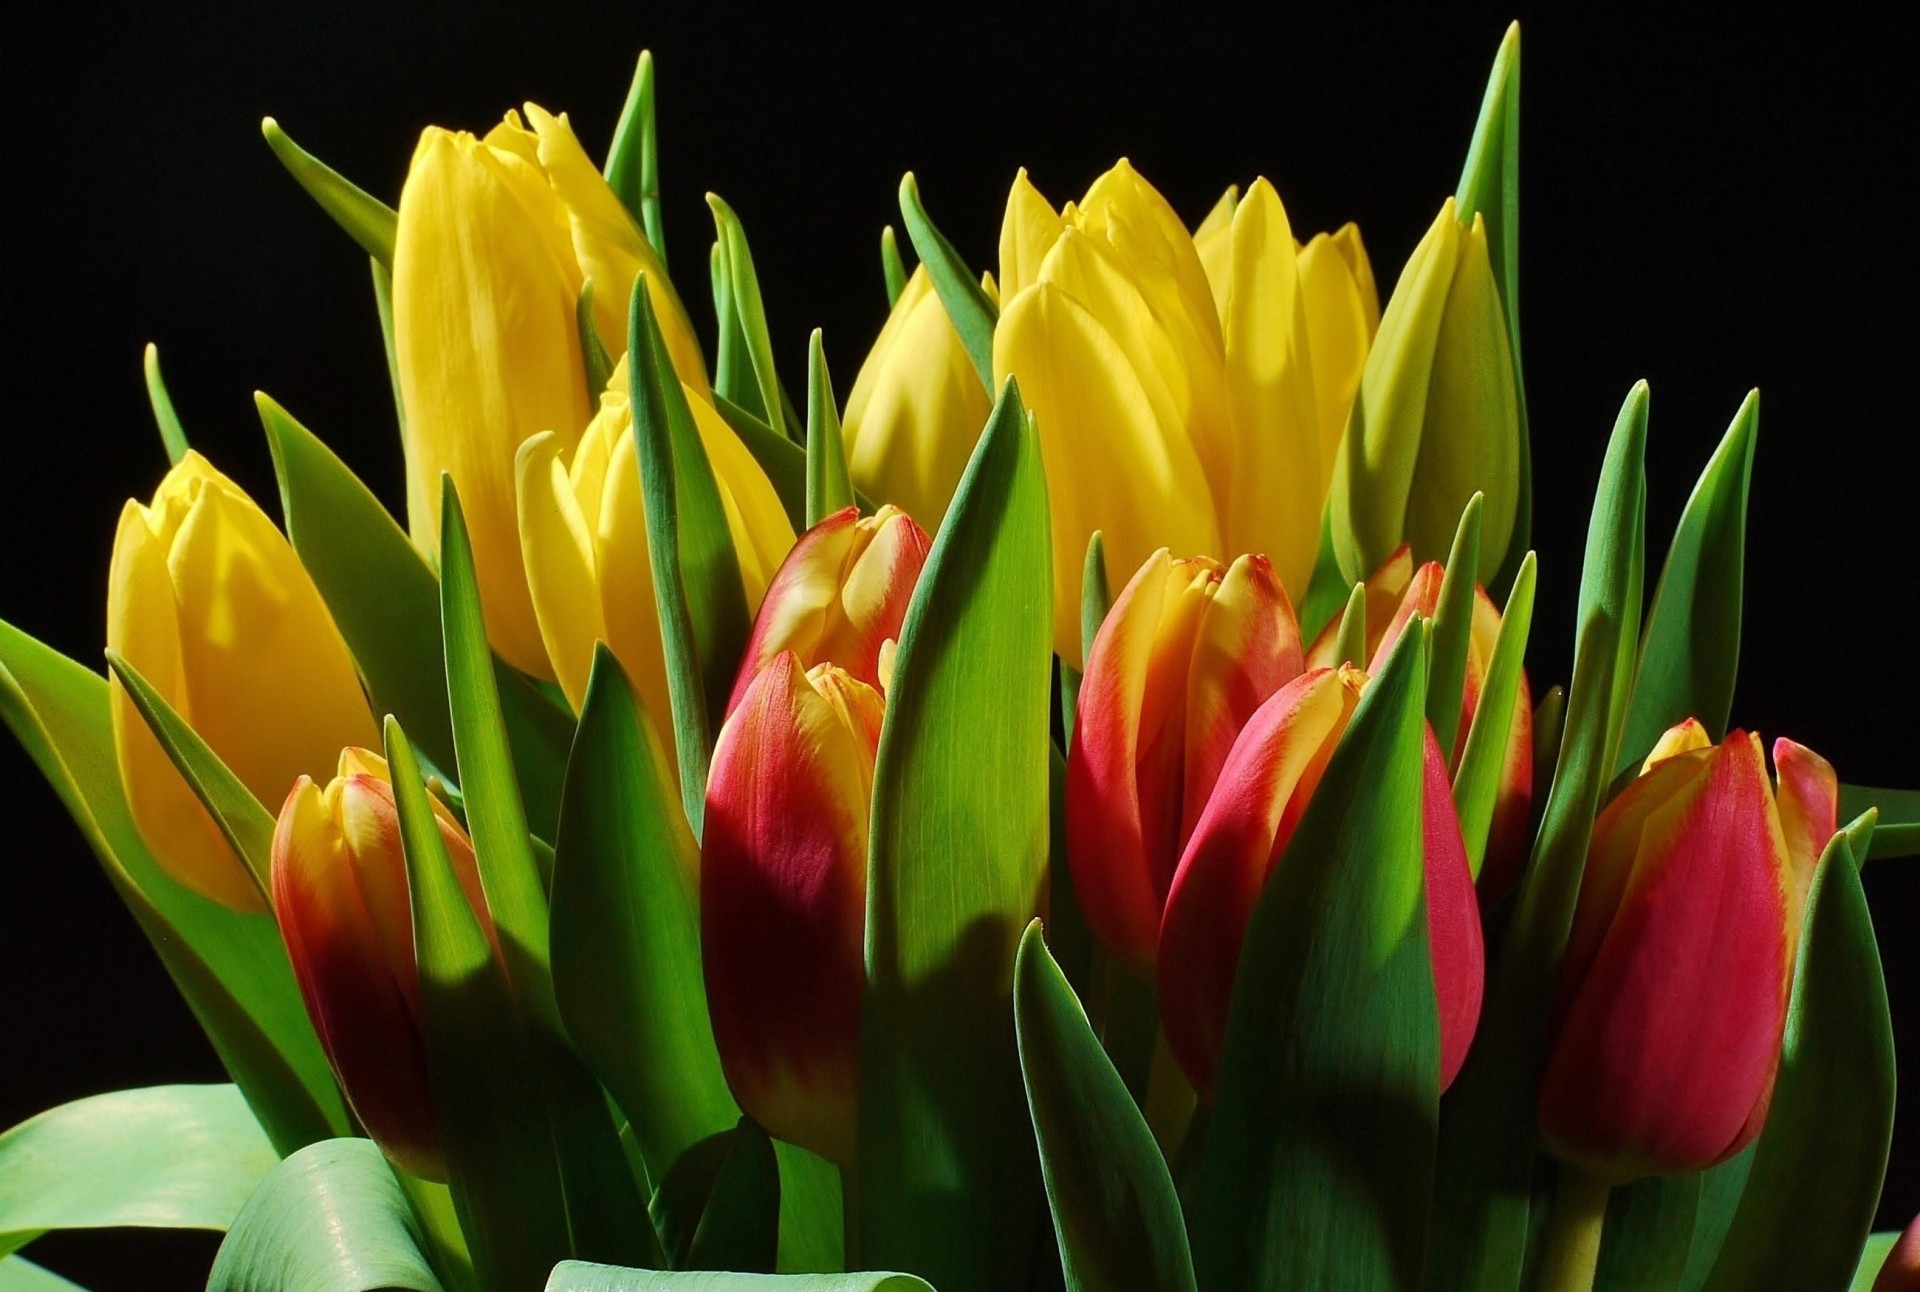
(206,599)
(1437,418)
(1674,986)
(1257,802)
(1901,1271)
(340,892)
(1188,652)
(583,541)
(1394,594)
(497,239)
(840,597)
(916,409)
(783,882)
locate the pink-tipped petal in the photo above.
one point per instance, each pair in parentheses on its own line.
(1454,936)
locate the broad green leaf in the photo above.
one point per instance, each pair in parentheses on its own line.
(1821,1157)
(1476,782)
(784,462)
(578,1276)
(696,573)
(812,1213)
(231,967)
(1318,1164)
(749,312)
(1114,1209)
(1490,187)
(894,268)
(1872,1257)
(331,1218)
(1486,1161)
(597,364)
(966,302)
(828,487)
(1897,831)
(633,160)
(18,1274)
(1691,651)
(1453,628)
(172,434)
(626,929)
(739,1228)
(366,219)
(1350,642)
(175,1157)
(949,1187)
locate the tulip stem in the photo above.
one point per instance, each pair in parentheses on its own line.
(1573,1232)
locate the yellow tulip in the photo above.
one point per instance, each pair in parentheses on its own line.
(207,601)
(497,239)
(583,537)
(916,410)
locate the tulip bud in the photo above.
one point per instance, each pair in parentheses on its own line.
(840,596)
(783,885)
(583,540)
(1187,653)
(207,600)
(1678,968)
(1257,803)
(497,238)
(916,409)
(340,892)
(1437,418)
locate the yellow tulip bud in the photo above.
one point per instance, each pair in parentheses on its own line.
(207,601)
(916,410)
(1437,418)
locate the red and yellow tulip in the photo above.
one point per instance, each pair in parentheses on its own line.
(1678,968)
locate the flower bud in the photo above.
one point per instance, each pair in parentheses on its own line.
(340,892)
(207,600)
(783,884)
(1678,968)
(1187,653)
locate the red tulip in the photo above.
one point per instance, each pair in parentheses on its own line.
(783,890)
(1258,801)
(1189,650)
(1677,972)
(340,892)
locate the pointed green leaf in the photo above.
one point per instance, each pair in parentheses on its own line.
(1872,1257)
(231,967)
(828,487)
(331,1218)
(1096,597)
(966,302)
(1453,627)
(1115,1212)
(1350,643)
(740,1226)
(1476,782)
(633,160)
(172,434)
(949,1186)
(593,352)
(1691,652)
(894,268)
(784,462)
(749,312)
(366,219)
(1327,590)
(1318,1163)
(1896,832)
(812,1213)
(383,305)
(579,1276)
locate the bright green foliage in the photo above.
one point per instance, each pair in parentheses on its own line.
(633,159)
(366,219)
(966,302)
(172,434)
(828,487)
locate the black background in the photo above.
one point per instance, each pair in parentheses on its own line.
(1709,207)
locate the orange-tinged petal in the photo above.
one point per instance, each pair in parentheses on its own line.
(1385,589)
(1809,805)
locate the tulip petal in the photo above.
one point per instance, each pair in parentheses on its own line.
(1027,231)
(1213,241)
(762,534)
(1809,805)
(1454,937)
(558,548)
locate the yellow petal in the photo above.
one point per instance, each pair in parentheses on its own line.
(1132,217)
(628,607)
(761,532)
(1346,240)
(1027,232)
(1213,243)
(1340,330)
(558,547)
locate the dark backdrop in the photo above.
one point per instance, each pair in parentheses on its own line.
(1708,207)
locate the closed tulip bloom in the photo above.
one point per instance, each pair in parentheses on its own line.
(207,600)
(497,238)
(916,409)
(783,883)
(1257,802)
(1437,418)
(1188,652)
(340,892)
(840,596)
(1678,968)
(583,541)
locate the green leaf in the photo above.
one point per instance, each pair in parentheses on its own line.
(949,1187)
(749,313)
(1096,597)
(1897,831)
(960,293)
(828,487)
(696,573)
(231,967)
(1327,590)
(633,160)
(1821,1157)
(174,1157)
(1453,628)
(739,1228)
(598,364)
(894,268)
(1490,187)
(1486,1162)
(1350,643)
(1691,652)
(1872,1257)
(784,462)
(1476,782)
(812,1213)
(1114,1209)
(1666,1231)
(18,1274)
(1318,1164)
(626,929)
(331,1218)
(366,219)
(578,1276)
(172,434)
(383,305)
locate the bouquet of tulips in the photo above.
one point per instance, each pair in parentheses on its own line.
(1073,816)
